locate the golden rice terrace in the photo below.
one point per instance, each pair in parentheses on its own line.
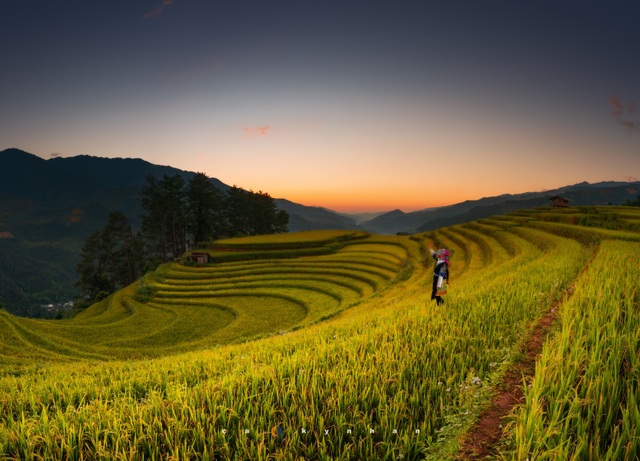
(325,345)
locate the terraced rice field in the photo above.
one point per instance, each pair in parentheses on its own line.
(325,345)
(191,307)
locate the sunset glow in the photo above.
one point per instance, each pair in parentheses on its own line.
(396,105)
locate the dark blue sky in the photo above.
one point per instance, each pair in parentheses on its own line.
(325,102)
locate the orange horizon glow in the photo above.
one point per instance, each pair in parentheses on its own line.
(349,206)
(405,203)
(324,106)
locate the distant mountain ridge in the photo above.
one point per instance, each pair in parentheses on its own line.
(303,217)
(96,185)
(584,193)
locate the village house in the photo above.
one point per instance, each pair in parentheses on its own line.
(199,257)
(559,202)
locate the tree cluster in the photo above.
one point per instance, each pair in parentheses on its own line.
(635,202)
(111,258)
(178,215)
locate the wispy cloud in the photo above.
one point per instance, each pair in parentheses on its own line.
(624,114)
(256,131)
(158,11)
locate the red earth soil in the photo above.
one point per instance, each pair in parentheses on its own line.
(481,441)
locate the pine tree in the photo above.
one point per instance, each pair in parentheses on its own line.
(164,224)
(204,204)
(251,213)
(93,282)
(110,259)
(123,250)
(237,209)
(154,221)
(174,192)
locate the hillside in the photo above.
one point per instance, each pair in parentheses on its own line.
(303,218)
(325,345)
(47,210)
(49,207)
(46,200)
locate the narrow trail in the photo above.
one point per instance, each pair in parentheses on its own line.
(482,440)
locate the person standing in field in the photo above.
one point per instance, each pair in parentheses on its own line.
(440,272)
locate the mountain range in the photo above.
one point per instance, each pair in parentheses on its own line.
(582,194)
(49,207)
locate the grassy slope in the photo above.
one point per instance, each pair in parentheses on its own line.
(392,362)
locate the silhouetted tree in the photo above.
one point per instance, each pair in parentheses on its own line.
(251,213)
(154,221)
(237,209)
(93,279)
(180,215)
(110,259)
(265,216)
(174,193)
(164,224)
(123,249)
(282,222)
(205,218)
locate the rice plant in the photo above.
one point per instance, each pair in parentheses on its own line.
(339,355)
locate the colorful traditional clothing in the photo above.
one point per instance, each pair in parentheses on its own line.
(440,272)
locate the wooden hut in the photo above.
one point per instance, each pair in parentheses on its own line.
(199,257)
(559,202)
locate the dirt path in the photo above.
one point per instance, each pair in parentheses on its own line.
(481,440)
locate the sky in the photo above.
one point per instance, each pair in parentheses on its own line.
(350,105)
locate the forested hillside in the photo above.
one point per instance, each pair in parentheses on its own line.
(49,209)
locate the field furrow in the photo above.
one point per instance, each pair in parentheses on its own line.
(326,345)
